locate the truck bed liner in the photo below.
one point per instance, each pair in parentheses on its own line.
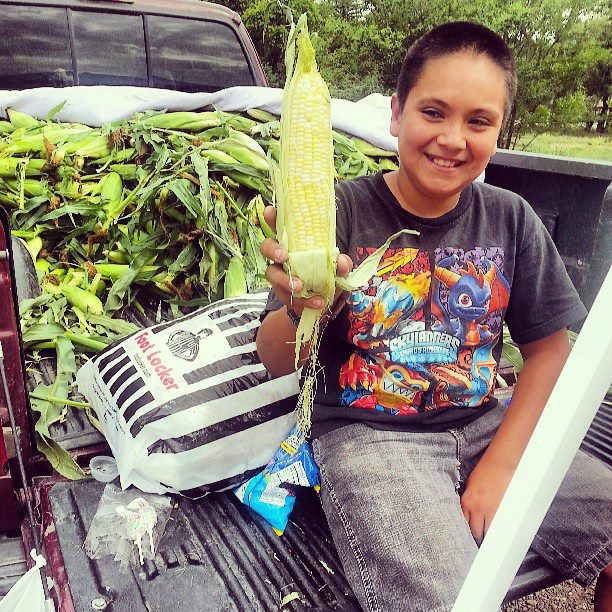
(221,555)
(216,554)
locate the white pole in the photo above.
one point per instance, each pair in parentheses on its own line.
(563,424)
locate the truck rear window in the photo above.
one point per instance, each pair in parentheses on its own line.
(190,55)
(35,48)
(109,49)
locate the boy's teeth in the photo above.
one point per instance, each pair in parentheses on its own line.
(443,162)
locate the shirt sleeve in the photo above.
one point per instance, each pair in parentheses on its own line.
(342,216)
(543,299)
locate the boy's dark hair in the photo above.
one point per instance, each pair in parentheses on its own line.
(450,38)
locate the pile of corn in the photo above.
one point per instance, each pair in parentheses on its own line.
(161,208)
(173,197)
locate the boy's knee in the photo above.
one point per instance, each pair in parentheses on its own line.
(606,573)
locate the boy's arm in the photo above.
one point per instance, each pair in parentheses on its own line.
(543,361)
(276,343)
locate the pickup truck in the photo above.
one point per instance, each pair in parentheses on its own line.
(216,554)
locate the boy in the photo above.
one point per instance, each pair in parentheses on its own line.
(414,452)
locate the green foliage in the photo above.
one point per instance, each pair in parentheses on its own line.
(562,47)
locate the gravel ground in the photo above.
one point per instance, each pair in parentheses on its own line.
(567,596)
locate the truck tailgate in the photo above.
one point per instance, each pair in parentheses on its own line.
(216,554)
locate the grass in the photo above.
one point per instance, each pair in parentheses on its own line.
(582,145)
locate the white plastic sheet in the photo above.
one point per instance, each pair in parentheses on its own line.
(368,119)
(27,594)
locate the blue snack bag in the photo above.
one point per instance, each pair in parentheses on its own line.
(271,493)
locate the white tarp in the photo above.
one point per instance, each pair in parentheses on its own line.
(368,118)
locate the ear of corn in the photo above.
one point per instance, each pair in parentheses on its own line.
(306,200)
(114,271)
(81,298)
(183,120)
(369,149)
(111,190)
(34,246)
(31,187)
(241,148)
(220,157)
(21,120)
(52,134)
(235,279)
(306,219)
(9,166)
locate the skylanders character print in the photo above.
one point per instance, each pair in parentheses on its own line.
(403,364)
(391,305)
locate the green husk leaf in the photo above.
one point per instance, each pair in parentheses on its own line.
(114,301)
(118,326)
(59,458)
(55,110)
(287,599)
(42,333)
(360,276)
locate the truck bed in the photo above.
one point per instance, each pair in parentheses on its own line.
(220,554)
(217,552)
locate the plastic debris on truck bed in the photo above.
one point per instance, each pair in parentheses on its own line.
(216,554)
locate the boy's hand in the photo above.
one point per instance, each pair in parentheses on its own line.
(542,362)
(483,493)
(284,287)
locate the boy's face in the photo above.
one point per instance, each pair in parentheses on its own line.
(448,128)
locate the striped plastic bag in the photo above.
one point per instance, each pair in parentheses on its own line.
(186,405)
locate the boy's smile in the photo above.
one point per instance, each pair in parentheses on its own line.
(447,131)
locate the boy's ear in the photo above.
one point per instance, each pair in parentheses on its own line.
(396,113)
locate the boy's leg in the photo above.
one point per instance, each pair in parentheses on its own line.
(576,534)
(392,505)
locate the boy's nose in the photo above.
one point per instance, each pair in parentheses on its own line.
(452,139)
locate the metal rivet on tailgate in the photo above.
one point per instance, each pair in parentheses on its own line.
(99,603)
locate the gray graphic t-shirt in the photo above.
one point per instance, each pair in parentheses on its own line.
(418,347)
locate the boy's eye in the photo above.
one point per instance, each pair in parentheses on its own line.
(480,122)
(432,113)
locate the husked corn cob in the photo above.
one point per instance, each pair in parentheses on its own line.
(306,220)
(306,216)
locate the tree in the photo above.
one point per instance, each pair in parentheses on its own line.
(598,81)
(562,49)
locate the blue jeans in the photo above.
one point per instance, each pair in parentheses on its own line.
(392,503)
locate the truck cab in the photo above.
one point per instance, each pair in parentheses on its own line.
(183,45)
